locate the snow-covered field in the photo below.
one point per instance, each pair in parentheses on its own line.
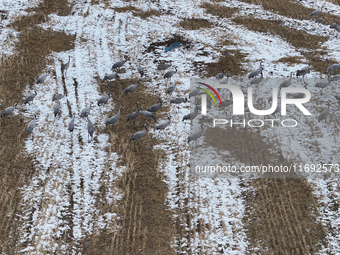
(70,166)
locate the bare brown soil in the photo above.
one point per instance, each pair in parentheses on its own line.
(147,225)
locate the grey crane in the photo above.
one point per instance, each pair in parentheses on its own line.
(191,115)
(42,77)
(220,76)
(154,108)
(170,89)
(317,12)
(119,64)
(302,73)
(163,125)
(110,76)
(31,125)
(140,69)
(56,108)
(323,115)
(103,99)
(322,85)
(169,74)
(86,111)
(225,80)
(90,129)
(226,103)
(30,97)
(8,110)
(288,82)
(178,100)
(148,115)
(71,124)
(133,116)
(257,81)
(162,67)
(196,135)
(337,97)
(113,120)
(335,27)
(320,20)
(57,97)
(137,136)
(65,66)
(256,72)
(132,87)
(300,95)
(332,68)
(334,78)
(304,70)
(194,92)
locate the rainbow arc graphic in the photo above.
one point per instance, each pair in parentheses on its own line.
(209,93)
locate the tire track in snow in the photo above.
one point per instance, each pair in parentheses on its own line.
(74,181)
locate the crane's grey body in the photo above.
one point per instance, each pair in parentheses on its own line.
(191,115)
(194,136)
(332,68)
(71,124)
(8,110)
(154,108)
(220,76)
(162,67)
(323,115)
(113,120)
(119,64)
(148,114)
(56,108)
(227,102)
(304,70)
(86,111)
(334,78)
(256,72)
(320,20)
(178,100)
(65,66)
(335,26)
(194,92)
(31,125)
(322,85)
(133,116)
(287,83)
(170,89)
(163,125)
(169,74)
(316,13)
(131,88)
(42,78)
(140,69)
(257,81)
(57,97)
(30,97)
(90,128)
(137,136)
(225,80)
(302,73)
(103,99)
(110,76)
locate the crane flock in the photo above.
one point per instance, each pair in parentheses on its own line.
(150,113)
